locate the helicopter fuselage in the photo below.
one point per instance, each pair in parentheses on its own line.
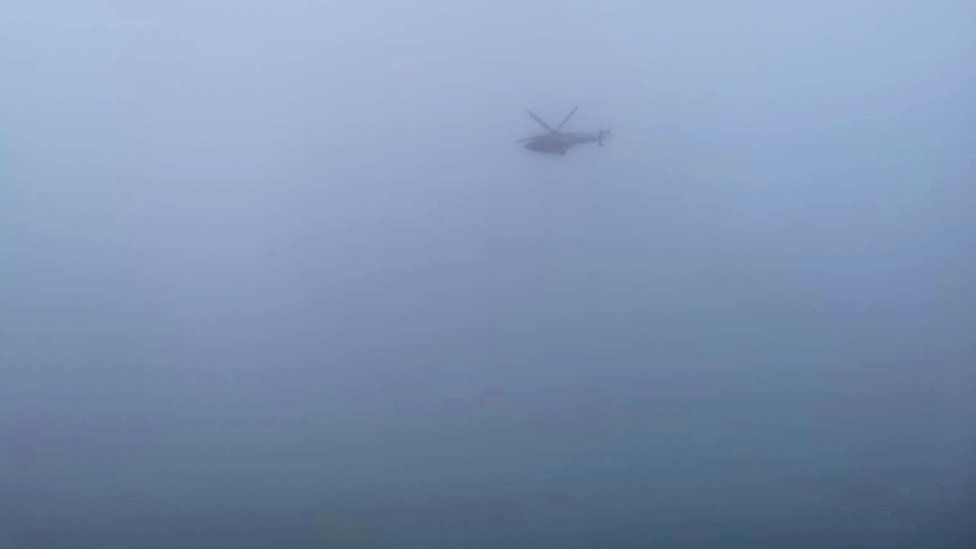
(560,142)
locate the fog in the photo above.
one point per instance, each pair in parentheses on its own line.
(277,274)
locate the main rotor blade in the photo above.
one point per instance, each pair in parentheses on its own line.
(539,120)
(567,118)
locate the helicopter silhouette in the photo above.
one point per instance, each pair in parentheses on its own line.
(557,141)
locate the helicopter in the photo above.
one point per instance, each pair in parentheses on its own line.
(558,141)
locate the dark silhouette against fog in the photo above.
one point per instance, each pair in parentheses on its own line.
(278,274)
(558,141)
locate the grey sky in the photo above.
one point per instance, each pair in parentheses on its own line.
(277,274)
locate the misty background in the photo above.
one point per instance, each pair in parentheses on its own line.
(276,274)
